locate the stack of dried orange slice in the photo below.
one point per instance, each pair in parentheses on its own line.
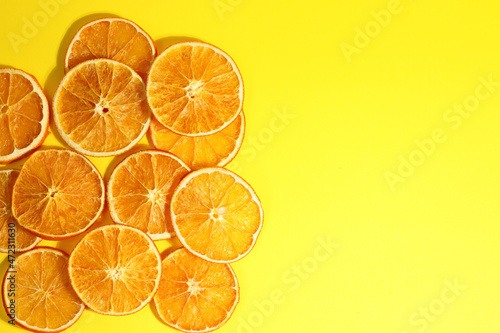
(190,98)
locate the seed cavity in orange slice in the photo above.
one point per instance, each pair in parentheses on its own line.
(198,152)
(115,269)
(140,189)
(24,114)
(40,291)
(100,108)
(195,295)
(12,236)
(216,215)
(112,38)
(195,89)
(58,194)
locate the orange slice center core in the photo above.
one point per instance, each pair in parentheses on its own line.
(101,108)
(216,213)
(154,196)
(115,273)
(193,89)
(194,287)
(52,192)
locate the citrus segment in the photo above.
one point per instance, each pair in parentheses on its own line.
(195,295)
(195,89)
(12,235)
(112,38)
(198,152)
(216,214)
(24,114)
(100,108)
(140,189)
(58,194)
(115,269)
(41,291)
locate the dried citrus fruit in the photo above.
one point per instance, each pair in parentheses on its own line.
(39,293)
(58,194)
(198,152)
(24,114)
(216,214)
(195,295)
(195,88)
(100,108)
(12,235)
(115,269)
(140,189)
(112,38)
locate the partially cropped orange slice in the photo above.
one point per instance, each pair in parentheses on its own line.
(112,38)
(13,237)
(115,269)
(216,214)
(140,189)
(198,152)
(58,194)
(195,89)
(195,295)
(100,108)
(40,293)
(24,114)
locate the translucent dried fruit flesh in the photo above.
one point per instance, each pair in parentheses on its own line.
(195,295)
(216,214)
(115,269)
(140,189)
(58,194)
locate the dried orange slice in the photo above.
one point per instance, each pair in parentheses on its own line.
(115,269)
(216,215)
(100,108)
(112,38)
(198,152)
(58,194)
(24,114)
(12,236)
(195,89)
(140,189)
(195,295)
(39,293)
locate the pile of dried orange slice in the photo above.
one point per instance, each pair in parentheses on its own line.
(116,89)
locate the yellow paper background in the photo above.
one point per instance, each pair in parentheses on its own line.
(380,198)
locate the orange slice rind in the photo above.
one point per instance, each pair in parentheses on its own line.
(195,295)
(198,152)
(24,114)
(100,108)
(216,215)
(140,189)
(112,38)
(58,194)
(40,291)
(194,89)
(115,270)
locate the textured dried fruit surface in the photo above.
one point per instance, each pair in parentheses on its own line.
(195,89)
(24,114)
(216,214)
(140,189)
(195,295)
(112,38)
(115,269)
(58,194)
(43,296)
(198,152)
(11,233)
(100,108)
